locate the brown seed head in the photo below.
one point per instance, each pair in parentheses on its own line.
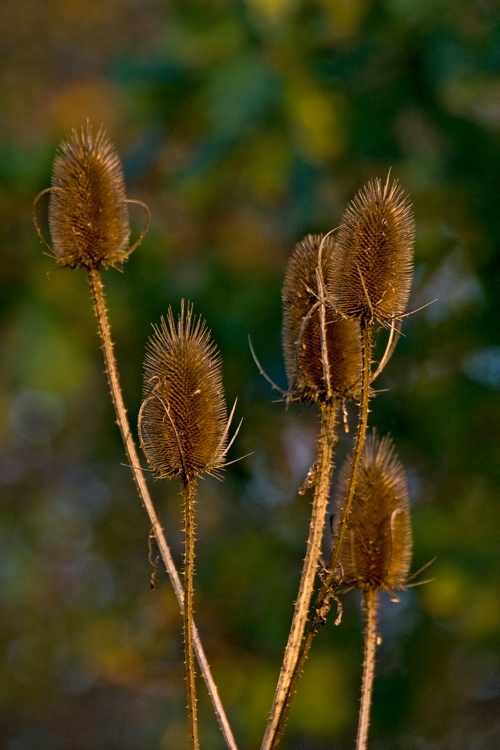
(302,349)
(182,424)
(88,212)
(376,549)
(370,275)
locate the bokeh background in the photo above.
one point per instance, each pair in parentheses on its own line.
(244,125)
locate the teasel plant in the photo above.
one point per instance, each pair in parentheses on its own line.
(367,282)
(370,281)
(183,429)
(322,353)
(375,553)
(89,226)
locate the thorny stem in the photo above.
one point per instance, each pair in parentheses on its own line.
(322,604)
(97,291)
(368,667)
(188,496)
(323,472)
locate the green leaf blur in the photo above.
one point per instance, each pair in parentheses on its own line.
(244,125)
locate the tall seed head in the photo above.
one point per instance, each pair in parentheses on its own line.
(376,548)
(182,424)
(370,275)
(302,349)
(88,212)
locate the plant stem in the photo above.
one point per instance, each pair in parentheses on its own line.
(323,473)
(97,291)
(188,495)
(322,604)
(370,601)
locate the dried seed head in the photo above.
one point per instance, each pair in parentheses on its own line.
(304,361)
(370,275)
(88,212)
(182,423)
(376,548)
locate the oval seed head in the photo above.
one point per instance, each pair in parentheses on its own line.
(304,361)
(88,212)
(371,271)
(376,547)
(182,423)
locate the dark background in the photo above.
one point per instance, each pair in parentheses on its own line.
(245,125)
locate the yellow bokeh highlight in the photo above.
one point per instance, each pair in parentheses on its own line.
(265,167)
(482,616)
(346,16)
(322,706)
(97,100)
(448,595)
(121,665)
(318,119)
(272,10)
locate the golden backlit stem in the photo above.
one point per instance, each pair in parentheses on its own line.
(322,600)
(366,334)
(323,473)
(370,603)
(188,497)
(97,292)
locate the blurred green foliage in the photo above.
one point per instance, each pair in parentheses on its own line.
(245,125)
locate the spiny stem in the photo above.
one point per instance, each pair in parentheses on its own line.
(97,291)
(366,333)
(370,603)
(188,495)
(323,469)
(322,605)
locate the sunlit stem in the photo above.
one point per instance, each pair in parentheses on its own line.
(322,605)
(370,602)
(323,473)
(188,496)
(97,291)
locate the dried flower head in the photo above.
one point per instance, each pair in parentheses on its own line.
(88,211)
(182,423)
(376,548)
(370,275)
(304,360)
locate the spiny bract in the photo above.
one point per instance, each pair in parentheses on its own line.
(88,211)
(371,271)
(304,361)
(376,548)
(183,420)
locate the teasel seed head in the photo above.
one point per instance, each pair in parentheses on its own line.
(182,422)
(376,548)
(371,272)
(303,355)
(88,210)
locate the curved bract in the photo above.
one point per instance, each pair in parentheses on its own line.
(320,360)
(183,417)
(371,270)
(88,210)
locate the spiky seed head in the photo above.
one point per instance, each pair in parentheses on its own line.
(88,212)
(371,272)
(376,548)
(302,349)
(182,424)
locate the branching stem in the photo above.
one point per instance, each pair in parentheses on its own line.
(322,605)
(323,473)
(98,298)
